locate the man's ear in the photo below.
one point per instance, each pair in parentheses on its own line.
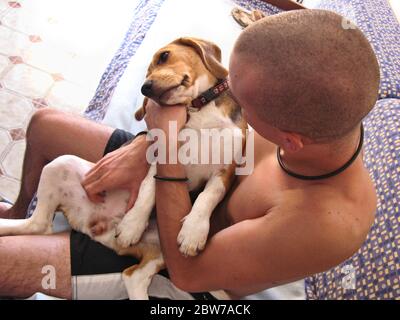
(292,142)
(209,52)
(141,112)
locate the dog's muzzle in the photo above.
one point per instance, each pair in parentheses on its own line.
(147,88)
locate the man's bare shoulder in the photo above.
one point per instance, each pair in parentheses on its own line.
(338,222)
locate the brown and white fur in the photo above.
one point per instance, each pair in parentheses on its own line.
(191,67)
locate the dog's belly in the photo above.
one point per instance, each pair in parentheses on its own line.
(99,221)
(93,219)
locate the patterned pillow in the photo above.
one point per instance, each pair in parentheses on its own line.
(379,24)
(374,271)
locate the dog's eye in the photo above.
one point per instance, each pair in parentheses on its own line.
(163,57)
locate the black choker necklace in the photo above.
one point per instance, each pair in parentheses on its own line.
(324,176)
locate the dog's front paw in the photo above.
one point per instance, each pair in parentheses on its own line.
(193,236)
(129,231)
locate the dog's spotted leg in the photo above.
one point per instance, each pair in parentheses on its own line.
(137,278)
(48,199)
(196,225)
(134,223)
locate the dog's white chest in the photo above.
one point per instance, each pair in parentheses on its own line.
(212,134)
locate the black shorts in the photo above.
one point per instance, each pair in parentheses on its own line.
(96,269)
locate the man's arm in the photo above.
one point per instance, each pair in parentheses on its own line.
(296,239)
(252,255)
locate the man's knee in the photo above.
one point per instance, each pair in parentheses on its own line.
(39,120)
(41,115)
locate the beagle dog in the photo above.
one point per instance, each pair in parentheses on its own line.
(187,71)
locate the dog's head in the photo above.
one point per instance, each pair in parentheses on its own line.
(182,70)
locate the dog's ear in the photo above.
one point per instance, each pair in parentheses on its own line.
(141,112)
(209,52)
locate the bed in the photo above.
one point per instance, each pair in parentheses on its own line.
(373,272)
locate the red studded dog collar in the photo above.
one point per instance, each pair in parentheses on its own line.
(210,94)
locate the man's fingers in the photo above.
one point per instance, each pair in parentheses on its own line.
(99,165)
(96,165)
(90,178)
(96,198)
(90,172)
(96,172)
(96,190)
(173,105)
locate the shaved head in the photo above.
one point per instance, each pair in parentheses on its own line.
(305,71)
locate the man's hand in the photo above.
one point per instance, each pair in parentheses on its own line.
(158,117)
(124,168)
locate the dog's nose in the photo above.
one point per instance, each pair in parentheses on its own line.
(147,88)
